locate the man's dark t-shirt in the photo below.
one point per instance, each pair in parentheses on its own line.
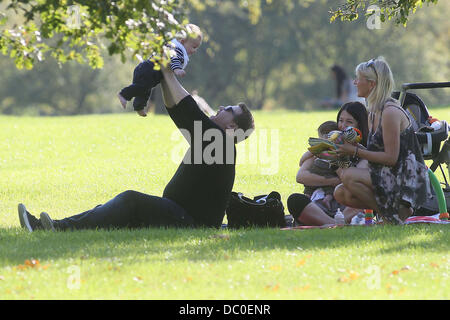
(202,188)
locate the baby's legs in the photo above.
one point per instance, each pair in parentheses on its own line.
(144,79)
(140,102)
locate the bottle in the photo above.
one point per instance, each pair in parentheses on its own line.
(434,123)
(339,218)
(368,217)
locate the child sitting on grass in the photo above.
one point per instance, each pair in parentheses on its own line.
(321,167)
(145,77)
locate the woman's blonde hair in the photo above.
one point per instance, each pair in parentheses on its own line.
(379,71)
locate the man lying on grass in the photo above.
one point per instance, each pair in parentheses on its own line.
(198,193)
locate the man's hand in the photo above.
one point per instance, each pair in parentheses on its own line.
(179,73)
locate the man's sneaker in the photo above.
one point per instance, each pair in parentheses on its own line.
(27,220)
(47,222)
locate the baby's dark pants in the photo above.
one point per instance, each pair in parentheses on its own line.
(144,79)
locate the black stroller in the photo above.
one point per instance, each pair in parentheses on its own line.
(430,139)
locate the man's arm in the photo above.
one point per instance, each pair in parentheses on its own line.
(173,91)
(167,97)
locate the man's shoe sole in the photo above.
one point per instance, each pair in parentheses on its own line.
(23,217)
(47,222)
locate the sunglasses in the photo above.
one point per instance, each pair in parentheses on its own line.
(371,64)
(229,109)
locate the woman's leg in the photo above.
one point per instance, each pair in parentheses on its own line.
(306,212)
(349,213)
(356,190)
(130,209)
(345,197)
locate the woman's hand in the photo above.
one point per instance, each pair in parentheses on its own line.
(346,149)
(340,172)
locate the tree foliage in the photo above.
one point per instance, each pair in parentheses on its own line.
(284,58)
(267,53)
(78,30)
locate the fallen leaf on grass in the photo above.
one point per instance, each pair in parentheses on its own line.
(272,287)
(31,264)
(275,268)
(404,269)
(304,288)
(354,275)
(389,288)
(113,268)
(303,261)
(300,263)
(434,265)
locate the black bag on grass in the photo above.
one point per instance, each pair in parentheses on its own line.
(261,211)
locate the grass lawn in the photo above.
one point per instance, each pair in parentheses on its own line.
(67,165)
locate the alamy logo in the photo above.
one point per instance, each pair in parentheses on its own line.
(374,20)
(211,146)
(74,279)
(73,17)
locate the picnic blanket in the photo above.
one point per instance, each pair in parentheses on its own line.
(426,219)
(411,220)
(434,219)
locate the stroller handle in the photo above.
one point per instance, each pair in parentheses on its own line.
(420,85)
(425,85)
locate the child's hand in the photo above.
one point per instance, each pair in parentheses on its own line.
(327,200)
(179,73)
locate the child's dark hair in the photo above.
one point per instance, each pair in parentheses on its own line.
(327,127)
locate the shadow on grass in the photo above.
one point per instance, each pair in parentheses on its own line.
(212,244)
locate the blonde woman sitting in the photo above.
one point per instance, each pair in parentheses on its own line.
(396,180)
